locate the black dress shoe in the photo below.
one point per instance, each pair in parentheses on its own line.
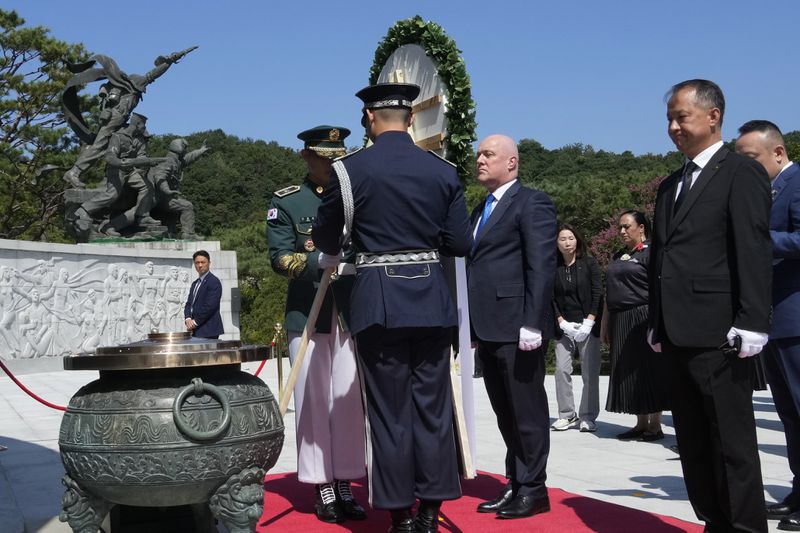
(349,506)
(492,506)
(326,507)
(647,436)
(352,510)
(328,512)
(427,519)
(402,521)
(631,434)
(776,511)
(523,506)
(790,522)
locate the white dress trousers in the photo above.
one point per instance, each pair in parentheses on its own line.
(329,413)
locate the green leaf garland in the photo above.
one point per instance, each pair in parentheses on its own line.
(450,66)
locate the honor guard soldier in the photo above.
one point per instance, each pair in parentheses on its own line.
(327,397)
(408,207)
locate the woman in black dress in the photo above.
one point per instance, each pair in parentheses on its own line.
(638,383)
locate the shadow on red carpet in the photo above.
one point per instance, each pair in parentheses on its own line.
(289,507)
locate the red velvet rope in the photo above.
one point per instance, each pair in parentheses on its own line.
(28,392)
(264,361)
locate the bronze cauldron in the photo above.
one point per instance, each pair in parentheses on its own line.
(172,421)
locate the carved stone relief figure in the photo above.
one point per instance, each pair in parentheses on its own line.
(58,307)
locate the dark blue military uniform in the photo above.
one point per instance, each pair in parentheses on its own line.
(402,312)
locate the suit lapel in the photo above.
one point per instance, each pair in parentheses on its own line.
(706,175)
(498,211)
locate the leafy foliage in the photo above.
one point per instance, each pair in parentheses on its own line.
(450,66)
(32,132)
(792,142)
(263,293)
(590,187)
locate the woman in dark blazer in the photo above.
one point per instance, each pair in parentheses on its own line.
(576,304)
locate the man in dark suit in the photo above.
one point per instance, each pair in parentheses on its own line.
(407,206)
(762,141)
(510,283)
(710,278)
(201,313)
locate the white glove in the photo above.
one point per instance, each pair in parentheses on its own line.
(529,339)
(584,330)
(570,329)
(346,269)
(752,341)
(655,346)
(329,261)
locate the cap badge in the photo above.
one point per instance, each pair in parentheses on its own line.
(333,135)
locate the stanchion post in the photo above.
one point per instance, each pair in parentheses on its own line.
(276,352)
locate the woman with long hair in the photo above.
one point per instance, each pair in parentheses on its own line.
(576,303)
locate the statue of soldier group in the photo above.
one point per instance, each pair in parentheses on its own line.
(136,185)
(401,207)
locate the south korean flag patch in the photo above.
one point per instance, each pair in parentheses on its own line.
(272,214)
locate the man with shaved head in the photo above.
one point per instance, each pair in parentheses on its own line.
(510,283)
(762,140)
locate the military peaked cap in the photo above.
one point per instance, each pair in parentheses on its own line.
(388,95)
(325,141)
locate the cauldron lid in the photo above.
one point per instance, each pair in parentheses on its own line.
(167,350)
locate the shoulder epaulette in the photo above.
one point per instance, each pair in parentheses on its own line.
(286,191)
(345,156)
(442,158)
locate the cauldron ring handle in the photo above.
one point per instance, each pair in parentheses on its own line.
(199,389)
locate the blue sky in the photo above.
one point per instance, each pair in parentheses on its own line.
(591,72)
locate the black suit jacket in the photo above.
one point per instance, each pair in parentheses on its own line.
(512,267)
(710,265)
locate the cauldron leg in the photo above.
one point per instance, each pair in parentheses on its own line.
(239,502)
(203,519)
(83,511)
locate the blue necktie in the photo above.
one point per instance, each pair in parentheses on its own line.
(487,210)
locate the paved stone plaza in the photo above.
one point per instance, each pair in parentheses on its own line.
(645,476)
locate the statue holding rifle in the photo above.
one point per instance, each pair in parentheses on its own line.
(119,95)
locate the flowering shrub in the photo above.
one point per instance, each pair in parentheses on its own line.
(607,242)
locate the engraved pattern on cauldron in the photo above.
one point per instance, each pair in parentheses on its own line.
(207,463)
(144,416)
(249,419)
(92,397)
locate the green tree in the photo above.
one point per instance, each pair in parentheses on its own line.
(792,142)
(262,292)
(32,132)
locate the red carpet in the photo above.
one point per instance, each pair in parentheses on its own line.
(289,507)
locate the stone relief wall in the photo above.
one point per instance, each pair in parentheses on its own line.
(54,303)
